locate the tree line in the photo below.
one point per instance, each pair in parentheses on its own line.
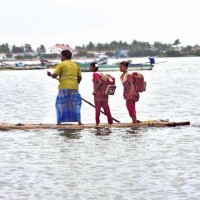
(5,48)
(25,49)
(134,49)
(140,49)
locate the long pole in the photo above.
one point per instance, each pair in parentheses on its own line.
(100,110)
(95,107)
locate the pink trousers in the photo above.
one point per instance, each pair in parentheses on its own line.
(130,104)
(106,108)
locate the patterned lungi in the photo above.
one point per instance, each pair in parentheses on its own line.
(68,106)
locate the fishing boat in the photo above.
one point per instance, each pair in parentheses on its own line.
(101,60)
(85,67)
(3,64)
(27,68)
(6,67)
(21,66)
(148,123)
(140,66)
(144,66)
(48,64)
(115,67)
(51,64)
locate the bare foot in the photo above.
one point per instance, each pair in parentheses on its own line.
(134,122)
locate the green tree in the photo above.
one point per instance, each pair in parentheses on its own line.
(176,42)
(41,49)
(16,49)
(90,46)
(173,53)
(4,48)
(99,47)
(28,48)
(197,53)
(187,51)
(113,45)
(81,53)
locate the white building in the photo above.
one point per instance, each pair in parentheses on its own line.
(58,48)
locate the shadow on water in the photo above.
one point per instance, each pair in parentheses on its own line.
(134,132)
(103,131)
(125,133)
(70,133)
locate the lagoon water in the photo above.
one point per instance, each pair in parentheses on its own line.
(129,163)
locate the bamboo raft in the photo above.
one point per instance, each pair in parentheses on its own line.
(154,123)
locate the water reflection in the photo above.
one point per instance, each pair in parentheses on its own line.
(138,136)
(103,131)
(70,133)
(109,163)
(134,131)
(76,133)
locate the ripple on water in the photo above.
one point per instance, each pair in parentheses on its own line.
(126,163)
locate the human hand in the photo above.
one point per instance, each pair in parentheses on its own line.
(49,73)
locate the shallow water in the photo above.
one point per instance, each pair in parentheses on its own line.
(140,163)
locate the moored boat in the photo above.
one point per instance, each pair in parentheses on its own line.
(48,64)
(141,66)
(102,60)
(115,67)
(27,68)
(85,67)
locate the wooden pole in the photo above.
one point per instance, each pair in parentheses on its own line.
(94,107)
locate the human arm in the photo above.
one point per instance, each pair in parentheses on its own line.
(79,79)
(97,83)
(52,75)
(98,86)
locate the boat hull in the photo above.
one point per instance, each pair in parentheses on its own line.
(21,68)
(141,66)
(85,67)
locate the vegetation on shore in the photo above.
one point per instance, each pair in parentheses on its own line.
(135,49)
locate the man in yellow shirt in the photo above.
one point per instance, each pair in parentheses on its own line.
(68,101)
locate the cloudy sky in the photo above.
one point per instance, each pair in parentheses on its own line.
(77,22)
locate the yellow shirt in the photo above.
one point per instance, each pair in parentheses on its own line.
(68,72)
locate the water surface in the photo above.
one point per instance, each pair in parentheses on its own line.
(139,163)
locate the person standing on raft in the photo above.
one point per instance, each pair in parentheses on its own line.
(100,100)
(68,101)
(129,93)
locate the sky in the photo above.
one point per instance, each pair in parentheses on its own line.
(78,22)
